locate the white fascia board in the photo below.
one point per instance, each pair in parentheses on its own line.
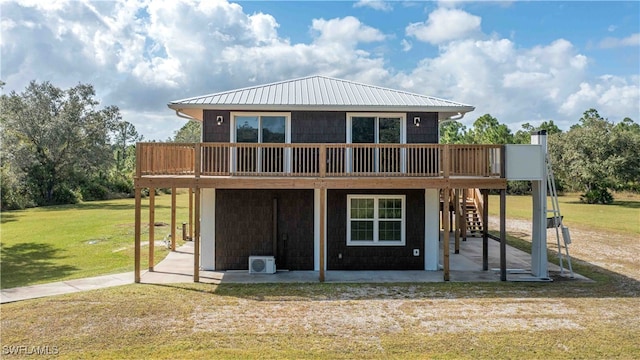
(372,108)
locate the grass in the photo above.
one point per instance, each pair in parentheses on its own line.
(623,216)
(563,319)
(341,321)
(56,243)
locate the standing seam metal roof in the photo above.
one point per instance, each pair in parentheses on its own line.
(318,91)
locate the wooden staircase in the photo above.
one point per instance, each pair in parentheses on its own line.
(472,218)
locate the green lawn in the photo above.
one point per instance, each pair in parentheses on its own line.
(561,320)
(56,243)
(622,216)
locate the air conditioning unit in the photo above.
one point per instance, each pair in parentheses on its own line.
(262,265)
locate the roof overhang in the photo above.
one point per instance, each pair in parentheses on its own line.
(196,110)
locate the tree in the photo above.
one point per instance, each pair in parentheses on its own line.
(487,130)
(124,137)
(56,138)
(523,136)
(453,132)
(189,132)
(595,156)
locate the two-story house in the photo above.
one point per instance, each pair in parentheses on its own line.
(322,174)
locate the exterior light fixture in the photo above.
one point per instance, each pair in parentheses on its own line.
(219,120)
(416,121)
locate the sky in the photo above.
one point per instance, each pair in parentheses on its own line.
(521,62)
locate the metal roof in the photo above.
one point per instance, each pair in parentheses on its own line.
(319,93)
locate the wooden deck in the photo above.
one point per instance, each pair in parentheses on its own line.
(320,166)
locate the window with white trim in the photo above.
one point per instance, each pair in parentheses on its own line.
(376,128)
(262,132)
(377,220)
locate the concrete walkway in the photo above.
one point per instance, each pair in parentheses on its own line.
(177,267)
(64,287)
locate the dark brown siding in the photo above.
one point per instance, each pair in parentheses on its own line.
(318,127)
(374,257)
(214,132)
(427,132)
(244,227)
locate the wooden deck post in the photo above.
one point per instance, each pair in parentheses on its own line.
(196,238)
(191,213)
(463,216)
(322,158)
(323,207)
(445,240)
(503,235)
(485,229)
(456,211)
(152,222)
(136,231)
(173,219)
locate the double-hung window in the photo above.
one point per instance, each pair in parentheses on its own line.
(259,137)
(376,220)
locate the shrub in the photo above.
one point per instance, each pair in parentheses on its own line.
(595,196)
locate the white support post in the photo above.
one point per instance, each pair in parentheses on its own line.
(208,229)
(539,261)
(431,229)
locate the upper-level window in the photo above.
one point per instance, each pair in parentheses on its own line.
(267,128)
(376,129)
(261,129)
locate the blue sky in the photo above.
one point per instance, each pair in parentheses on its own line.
(519,61)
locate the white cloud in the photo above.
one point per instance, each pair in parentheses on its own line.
(141,54)
(348,30)
(374,4)
(445,25)
(406,45)
(611,42)
(611,95)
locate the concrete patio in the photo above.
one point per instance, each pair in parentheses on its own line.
(466,266)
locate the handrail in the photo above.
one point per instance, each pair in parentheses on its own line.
(319,160)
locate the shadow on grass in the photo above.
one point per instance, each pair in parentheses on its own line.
(6,217)
(630,204)
(25,263)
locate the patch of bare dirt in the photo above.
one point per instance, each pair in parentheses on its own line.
(615,252)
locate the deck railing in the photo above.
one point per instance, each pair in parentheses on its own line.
(319,160)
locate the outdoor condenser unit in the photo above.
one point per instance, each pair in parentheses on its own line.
(262,265)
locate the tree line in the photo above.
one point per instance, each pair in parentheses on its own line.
(594,157)
(59,147)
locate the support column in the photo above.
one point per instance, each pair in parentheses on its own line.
(485,229)
(445,240)
(539,261)
(463,219)
(191,213)
(208,229)
(503,235)
(323,240)
(431,229)
(456,212)
(196,238)
(173,219)
(152,225)
(136,231)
